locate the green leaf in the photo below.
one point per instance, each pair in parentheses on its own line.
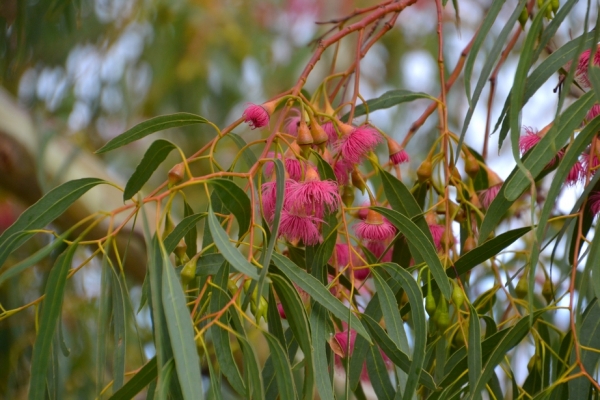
(296,317)
(486,71)
(154,156)
(51,308)
(150,126)
(231,254)
(34,258)
(325,169)
(387,100)
(594,76)
(139,381)
(397,356)
(422,244)
(378,375)
(589,338)
(481,35)
(510,340)
(247,153)
(220,337)
(181,332)
(164,380)
(191,237)
(283,370)
(235,200)
(43,212)
(120,338)
(162,342)
(320,331)
(209,264)
(391,315)
(319,293)
(103,322)
(485,251)
(415,298)
(474,353)
(185,226)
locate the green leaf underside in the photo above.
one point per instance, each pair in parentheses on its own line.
(150,126)
(319,293)
(154,156)
(43,212)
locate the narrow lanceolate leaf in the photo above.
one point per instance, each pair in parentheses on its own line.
(209,264)
(235,200)
(482,32)
(220,337)
(391,315)
(387,100)
(594,76)
(46,210)
(154,156)
(378,375)
(397,356)
(247,154)
(550,144)
(485,251)
(296,317)
(415,298)
(51,308)
(589,340)
(120,338)
(422,244)
(231,254)
(34,258)
(181,332)
(191,237)
(139,381)
(151,126)
(474,354)
(512,338)
(320,331)
(283,370)
(319,293)
(486,71)
(185,226)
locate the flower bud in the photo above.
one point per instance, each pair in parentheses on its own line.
(458,297)
(522,287)
(348,196)
(425,171)
(180,251)
(548,290)
(319,135)
(304,139)
(176,174)
(523,17)
(430,305)
(468,245)
(188,272)
(357,180)
(169,225)
(471,166)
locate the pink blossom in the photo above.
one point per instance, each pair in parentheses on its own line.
(363,211)
(269,198)
(576,173)
(595,110)
(374,227)
(314,195)
(356,144)
(581,72)
(343,343)
(295,227)
(342,169)
(399,157)
(340,256)
(530,139)
(270,165)
(332,134)
(376,247)
(294,168)
(281,311)
(488,195)
(292,123)
(594,200)
(437,231)
(590,163)
(256,116)
(361,273)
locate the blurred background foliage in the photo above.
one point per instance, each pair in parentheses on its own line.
(86,70)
